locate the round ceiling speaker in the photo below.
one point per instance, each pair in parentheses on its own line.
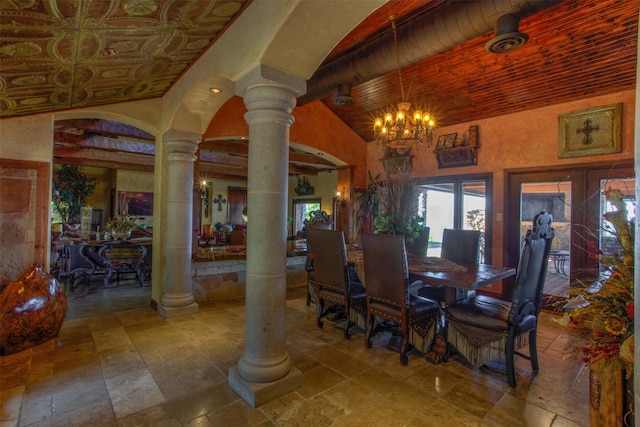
(507,36)
(343,97)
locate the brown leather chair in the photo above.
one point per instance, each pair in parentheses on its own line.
(321,221)
(386,274)
(459,246)
(335,291)
(482,328)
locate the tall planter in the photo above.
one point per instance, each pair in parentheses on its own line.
(610,396)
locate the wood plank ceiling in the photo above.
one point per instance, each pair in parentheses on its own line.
(52,58)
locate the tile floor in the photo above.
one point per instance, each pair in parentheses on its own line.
(118,363)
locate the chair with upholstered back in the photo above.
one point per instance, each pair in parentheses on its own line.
(459,246)
(386,273)
(330,280)
(318,220)
(484,328)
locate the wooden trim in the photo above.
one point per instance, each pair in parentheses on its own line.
(43,199)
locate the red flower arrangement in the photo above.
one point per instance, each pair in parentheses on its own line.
(603,314)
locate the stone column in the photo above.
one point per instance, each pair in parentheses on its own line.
(264,371)
(179,150)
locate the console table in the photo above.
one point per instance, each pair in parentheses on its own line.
(111,257)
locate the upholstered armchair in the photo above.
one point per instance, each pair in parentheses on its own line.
(483,328)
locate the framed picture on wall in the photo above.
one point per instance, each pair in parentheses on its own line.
(446,141)
(590,132)
(135,203)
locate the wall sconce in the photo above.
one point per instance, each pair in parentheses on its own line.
(204,196)
(340,198)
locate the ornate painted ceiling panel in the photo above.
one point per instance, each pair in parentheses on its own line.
(57,55)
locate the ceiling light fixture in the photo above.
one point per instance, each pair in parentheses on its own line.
(109,52)
(400,130)
(215,90)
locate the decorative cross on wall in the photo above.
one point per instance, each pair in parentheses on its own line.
(219,201)
(586,130)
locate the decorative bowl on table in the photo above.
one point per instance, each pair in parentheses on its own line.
(121,235)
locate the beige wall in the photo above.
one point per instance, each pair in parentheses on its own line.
(526,139)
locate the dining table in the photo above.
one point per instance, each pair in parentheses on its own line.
(436,271)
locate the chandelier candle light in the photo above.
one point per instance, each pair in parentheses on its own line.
(402,130)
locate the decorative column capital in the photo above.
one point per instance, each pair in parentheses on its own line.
(265,75)
(180,145)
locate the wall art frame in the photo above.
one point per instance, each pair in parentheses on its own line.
(446,141)
(590,132)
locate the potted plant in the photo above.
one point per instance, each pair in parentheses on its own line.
(369,206)
(71,187)
(411,229)
(398,199)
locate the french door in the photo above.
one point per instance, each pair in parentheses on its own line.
(574,196)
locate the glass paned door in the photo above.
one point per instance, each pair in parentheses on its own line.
(474,209)
(460,203)
(555,198)
(608,243)
(439,207)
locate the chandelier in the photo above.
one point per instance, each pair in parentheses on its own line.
(401,130)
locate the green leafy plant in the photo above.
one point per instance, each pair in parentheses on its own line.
(398,197)
(71,187)
(369,205)
(389,224)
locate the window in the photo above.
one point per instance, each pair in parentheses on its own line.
(457,202)
(301,210)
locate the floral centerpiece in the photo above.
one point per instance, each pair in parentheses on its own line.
(603,314)
(121,226)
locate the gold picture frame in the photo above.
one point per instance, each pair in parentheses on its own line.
(590,132)
(446,141)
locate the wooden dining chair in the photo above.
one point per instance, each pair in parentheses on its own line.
(335,291)
(319,220)
(483,328)
(459,246)
(387,284)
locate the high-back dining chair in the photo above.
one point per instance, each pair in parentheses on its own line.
(459,246)
(330,279)
(386,274)
(320,221)
(483,328)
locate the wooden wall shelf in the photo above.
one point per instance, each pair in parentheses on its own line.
(457,156)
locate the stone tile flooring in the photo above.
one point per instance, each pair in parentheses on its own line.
(116,362)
